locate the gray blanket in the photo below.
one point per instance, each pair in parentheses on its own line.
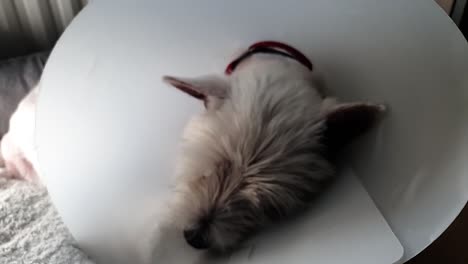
(17,77)
(30,229)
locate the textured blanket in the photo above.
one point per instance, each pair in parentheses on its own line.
(30,229)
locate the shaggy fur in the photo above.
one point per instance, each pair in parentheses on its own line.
(259,152)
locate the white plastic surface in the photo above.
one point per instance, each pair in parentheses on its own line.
(345,227)
(107,125)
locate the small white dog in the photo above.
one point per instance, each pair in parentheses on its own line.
(263,148)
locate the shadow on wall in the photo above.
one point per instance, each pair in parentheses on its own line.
(16,44)
(31,26)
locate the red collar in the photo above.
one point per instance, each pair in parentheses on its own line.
(271,47)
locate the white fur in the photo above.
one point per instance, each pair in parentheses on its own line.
(17,146)
(239,132)
(258,147)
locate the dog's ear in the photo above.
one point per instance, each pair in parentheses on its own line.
(346,121)
(212,89)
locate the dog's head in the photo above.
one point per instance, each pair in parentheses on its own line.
(261,149)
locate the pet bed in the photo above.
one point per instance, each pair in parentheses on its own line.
(30,229)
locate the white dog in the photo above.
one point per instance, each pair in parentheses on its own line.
(263,148)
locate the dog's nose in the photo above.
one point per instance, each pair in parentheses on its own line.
(196,238)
